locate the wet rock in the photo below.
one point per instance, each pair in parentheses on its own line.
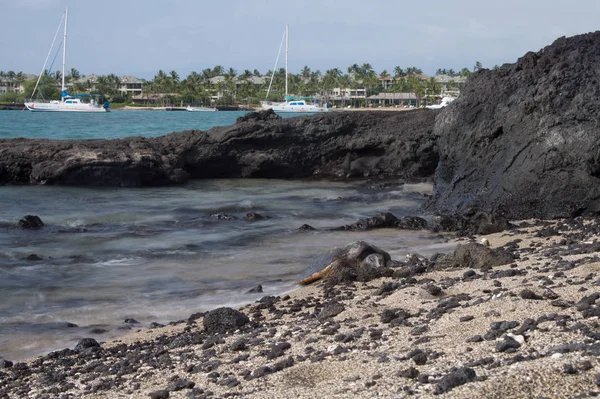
(253,216)
(33,257)
(5,364)
(223,320)
(86,343)
(258,116)
(306,227)
(411,223)
(381,220)
(30,222)
(222,216)
(255,290)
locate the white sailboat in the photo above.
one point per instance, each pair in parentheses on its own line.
(189,108)
(67,103)
(290,105)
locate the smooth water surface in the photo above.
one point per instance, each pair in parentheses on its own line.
(161,254)
(110,125)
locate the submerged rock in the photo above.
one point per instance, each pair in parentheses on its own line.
(31,222)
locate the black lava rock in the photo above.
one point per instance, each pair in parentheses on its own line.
(224,320)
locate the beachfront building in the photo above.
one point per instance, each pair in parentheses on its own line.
(450,85)
(14,82)
(344,97)
(394,100)
(130,85)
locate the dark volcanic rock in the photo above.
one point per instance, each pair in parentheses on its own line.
(334,144)
(268,115)
(474,255)
(224,320)
(30,222)
(86,343)
(521,141)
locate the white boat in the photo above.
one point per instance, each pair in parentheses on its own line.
(67,102)
(290,105)
(200,109)
(445,102)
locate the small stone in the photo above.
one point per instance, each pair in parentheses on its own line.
(529,294)
(420,359)
(433,289)
(160,394)
(410,372)
(568,368)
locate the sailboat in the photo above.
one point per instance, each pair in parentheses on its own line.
(67,102)
(289,105)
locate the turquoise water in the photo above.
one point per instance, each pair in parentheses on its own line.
(111,125)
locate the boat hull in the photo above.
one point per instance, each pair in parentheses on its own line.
(61,107)
(287,108)
(200,109)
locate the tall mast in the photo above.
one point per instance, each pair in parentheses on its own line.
(64,51)
(287,42)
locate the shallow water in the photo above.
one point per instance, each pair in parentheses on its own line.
(156,254)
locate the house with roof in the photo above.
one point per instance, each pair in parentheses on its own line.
(130,85)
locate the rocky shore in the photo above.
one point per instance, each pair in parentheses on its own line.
(517,319)
(260,145)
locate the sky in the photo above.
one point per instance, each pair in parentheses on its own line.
(141,37)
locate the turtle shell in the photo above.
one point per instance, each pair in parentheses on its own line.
(319,268)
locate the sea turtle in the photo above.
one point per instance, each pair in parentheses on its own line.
(354,256)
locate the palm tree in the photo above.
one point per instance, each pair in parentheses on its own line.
(19,80)
(399,72)
(218,71)
(305,72)
(173,81)
(75,75)
(477,67)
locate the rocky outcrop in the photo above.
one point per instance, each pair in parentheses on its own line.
(522,140)
(336,144)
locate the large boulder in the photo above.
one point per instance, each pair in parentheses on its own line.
(522,140)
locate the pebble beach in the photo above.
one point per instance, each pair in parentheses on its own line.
(525,329)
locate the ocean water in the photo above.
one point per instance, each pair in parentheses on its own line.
(158,254)
(110,125)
